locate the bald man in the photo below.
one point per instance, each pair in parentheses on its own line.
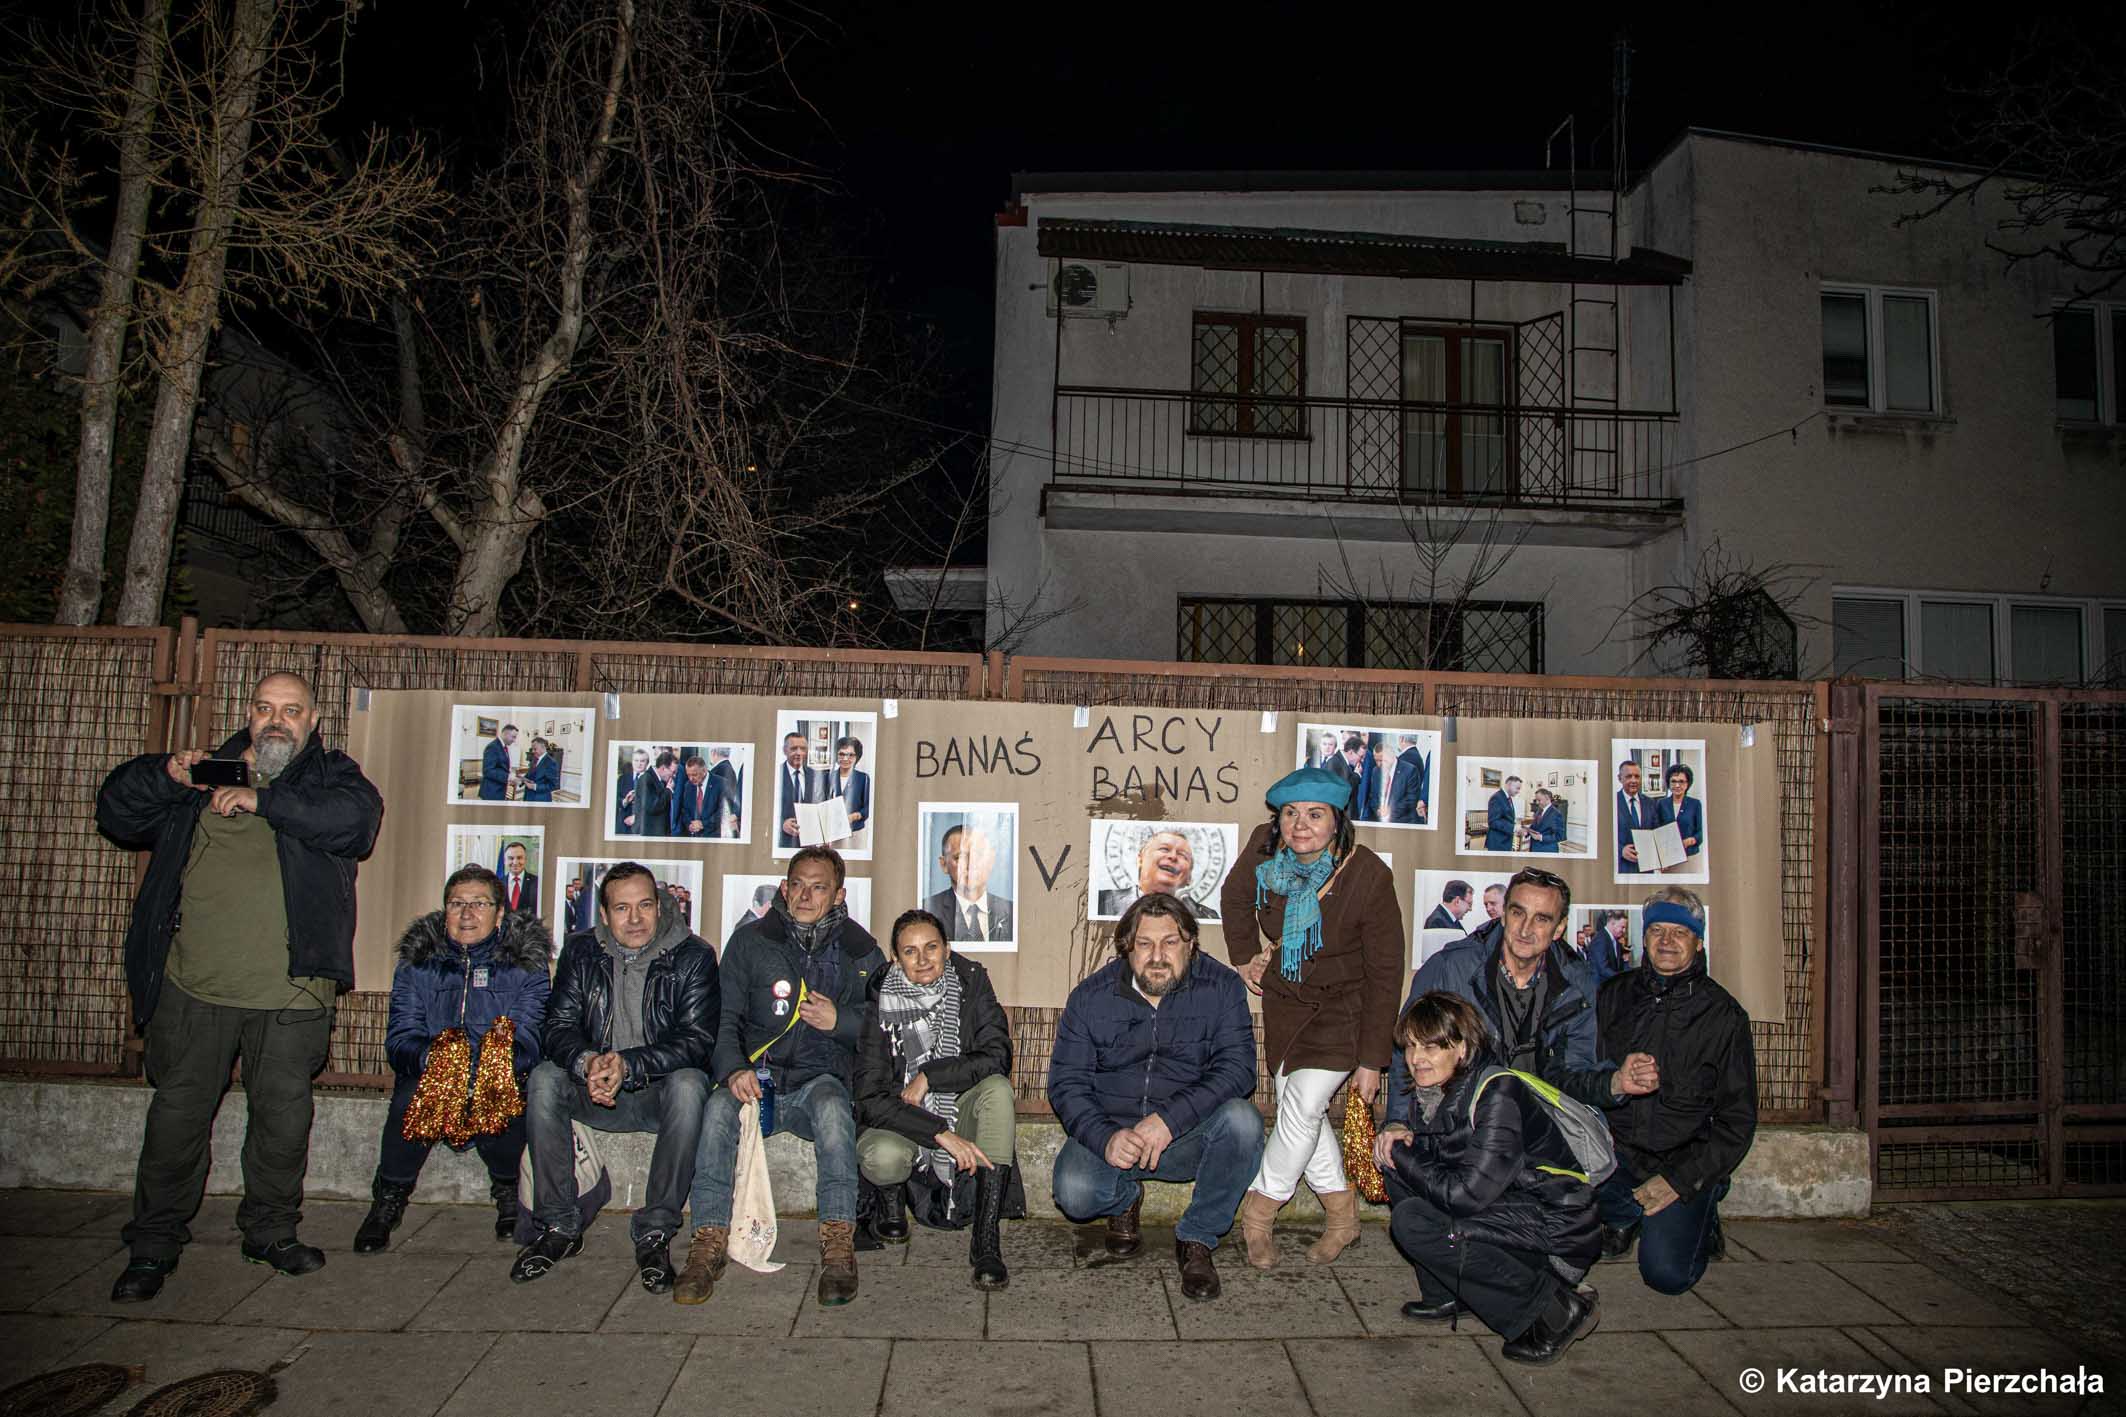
(241,942)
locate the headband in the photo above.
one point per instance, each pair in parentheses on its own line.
(1668,912)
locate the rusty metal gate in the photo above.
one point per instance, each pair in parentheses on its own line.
(1993,865)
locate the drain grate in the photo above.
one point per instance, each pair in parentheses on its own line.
(70,1392)
(226,1392)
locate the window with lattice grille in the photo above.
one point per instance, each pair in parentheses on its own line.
(1486,637)
(1248,373)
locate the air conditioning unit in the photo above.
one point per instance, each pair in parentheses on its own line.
(1091,289)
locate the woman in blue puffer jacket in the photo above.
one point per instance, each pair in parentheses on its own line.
(465,966)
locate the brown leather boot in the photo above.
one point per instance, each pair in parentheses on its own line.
(706,1254)
(1123,1235)
(837,1262)
(1199,1277)
(1341,1231)
(1257,1217)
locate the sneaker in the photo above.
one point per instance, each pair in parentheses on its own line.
(705,1260)
(141,1280)
(542,1254)
(290,1256)
(653,1261)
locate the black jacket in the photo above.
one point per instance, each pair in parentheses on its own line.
(758,957)
(985,1051)
(681,1002)
(324,815)
(1487,1175)
(1696,1128)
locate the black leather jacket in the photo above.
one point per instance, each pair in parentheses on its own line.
(1697,1126)
(681,1002)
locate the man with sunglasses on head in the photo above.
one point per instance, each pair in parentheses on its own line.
(1538,1001)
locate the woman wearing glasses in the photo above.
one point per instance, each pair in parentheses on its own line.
(469,967)
(1312,924)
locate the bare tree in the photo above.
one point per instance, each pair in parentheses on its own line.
(1729,620)
(1454,550)
(2050,128)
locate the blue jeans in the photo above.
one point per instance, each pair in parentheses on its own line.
(820,1112)
(1672,1242)
(1220,1154)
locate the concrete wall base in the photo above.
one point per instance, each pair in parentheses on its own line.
(70,1135)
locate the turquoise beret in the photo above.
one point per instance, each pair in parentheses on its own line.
(1311,785)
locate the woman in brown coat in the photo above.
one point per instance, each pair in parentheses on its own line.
(1312,924)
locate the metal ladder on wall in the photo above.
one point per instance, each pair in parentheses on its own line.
(1593,322)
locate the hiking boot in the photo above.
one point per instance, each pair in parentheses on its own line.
(985,1248)
(837,1262)
(1199,1277)
(706,1255)
(542,1254)
(504,1195)
(1124,1238)
(385,1212)
(141,1280)
(290,1256)
(653,1261)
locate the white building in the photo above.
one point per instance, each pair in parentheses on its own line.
(1267,395)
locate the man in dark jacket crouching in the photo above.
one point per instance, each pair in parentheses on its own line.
(629,1027)
(242,940)
(1676,1147)
(1152,1076)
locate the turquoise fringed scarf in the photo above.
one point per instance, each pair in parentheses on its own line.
(1299,883)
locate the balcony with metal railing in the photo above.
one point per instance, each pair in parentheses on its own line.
(1153,459)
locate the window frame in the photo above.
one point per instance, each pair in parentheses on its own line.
(2109,413)
(1878,353)
(1243,400)
(1354,653)
(2002,607)
(1451,337)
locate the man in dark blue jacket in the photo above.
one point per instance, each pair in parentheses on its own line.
(543,773)
(1152,1076)
(630,1025)
(796,982)
(1500,817)
(242,939)
(495,768)
(697,806)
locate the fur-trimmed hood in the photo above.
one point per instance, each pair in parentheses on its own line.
(521,940)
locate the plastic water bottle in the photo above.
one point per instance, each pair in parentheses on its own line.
(767,1099)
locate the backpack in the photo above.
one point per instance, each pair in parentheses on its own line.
(1584,1129)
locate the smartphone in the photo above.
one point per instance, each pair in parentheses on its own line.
(221,772)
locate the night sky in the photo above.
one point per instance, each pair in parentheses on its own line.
(925,111)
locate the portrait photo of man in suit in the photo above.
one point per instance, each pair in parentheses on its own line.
(729,780)
(1388,767)
(968,858)
(796,783)
(542,772)
(1457,898)
(651,814)
(495,766)
(1634,811)
(1166,862)
(1501,816)
(697,802)
(520,886)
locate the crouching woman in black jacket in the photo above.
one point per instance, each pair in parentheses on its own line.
(933,1093)
(1488,1204)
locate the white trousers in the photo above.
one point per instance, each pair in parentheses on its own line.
(1303,1143)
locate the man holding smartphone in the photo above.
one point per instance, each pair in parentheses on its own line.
(242,939)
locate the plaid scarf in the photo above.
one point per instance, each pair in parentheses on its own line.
(923,1020)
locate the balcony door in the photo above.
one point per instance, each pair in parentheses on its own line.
(1451,453)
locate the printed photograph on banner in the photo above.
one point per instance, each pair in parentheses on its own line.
(967,871)
(692,792)
(825,767)
(1611,939)
(1657,796)
(576,882)
(1535,807)
(1446,905)
(1131,858)
(747,898)
(503,755)
(516,854)
(1391,770)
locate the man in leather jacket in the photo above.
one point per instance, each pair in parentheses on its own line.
(630,1025)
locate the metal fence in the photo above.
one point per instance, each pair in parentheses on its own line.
(78,700)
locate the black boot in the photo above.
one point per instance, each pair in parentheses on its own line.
(385,1213)
(867,1208)
(985,1250)
(504,1195)
(892,1224)
(1617,1240)
(1569,1317)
